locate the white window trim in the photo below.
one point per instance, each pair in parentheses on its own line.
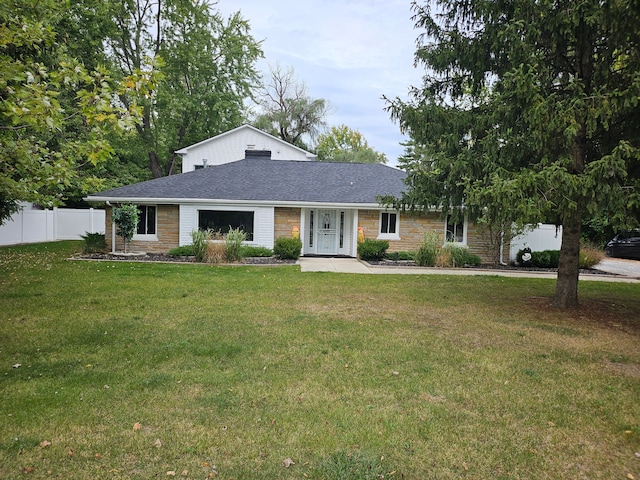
(228,208)
(148,237)
(389,236)
(465,226)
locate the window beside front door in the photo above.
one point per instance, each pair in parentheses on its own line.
(389,226)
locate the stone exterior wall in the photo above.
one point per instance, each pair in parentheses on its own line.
(285,218)
(168,232)
(479,244)
(412,230)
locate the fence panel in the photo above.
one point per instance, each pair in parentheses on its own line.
(543,237)
(31,225)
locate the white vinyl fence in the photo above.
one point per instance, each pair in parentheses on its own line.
(542,237)
(31,225)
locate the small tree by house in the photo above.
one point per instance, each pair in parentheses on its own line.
(126,219)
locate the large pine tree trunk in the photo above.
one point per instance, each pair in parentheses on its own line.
(569,264)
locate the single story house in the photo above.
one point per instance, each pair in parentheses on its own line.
(327,204)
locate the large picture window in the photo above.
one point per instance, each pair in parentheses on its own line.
(222,221)
(146,220)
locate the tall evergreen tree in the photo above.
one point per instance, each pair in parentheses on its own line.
(531,108)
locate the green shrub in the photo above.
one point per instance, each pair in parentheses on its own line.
(428,251)
(545,259)
(460,256)
(287,248)
(94,242)
(183,251)
(249,251)
(200,241)
(374,250)
(233,244)
(400,256)
(589,256)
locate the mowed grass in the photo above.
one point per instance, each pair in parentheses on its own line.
(136,370)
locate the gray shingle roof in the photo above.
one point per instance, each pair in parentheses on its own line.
(267,180)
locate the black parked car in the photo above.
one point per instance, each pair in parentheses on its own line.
(624,245)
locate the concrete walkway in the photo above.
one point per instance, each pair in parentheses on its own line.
(352,265)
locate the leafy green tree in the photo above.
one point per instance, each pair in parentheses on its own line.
(125,218)
(530,108)
(207,67)
(343,144)
(287,110)
(55,115)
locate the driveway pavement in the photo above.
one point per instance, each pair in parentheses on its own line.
(625,270)
(620,266)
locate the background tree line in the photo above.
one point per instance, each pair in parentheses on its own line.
(99,93)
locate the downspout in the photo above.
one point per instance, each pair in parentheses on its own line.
(502,248)
(113,231)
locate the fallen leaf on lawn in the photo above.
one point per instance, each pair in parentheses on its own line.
(157,443)
(137,426)
(630,477)
(69,452)
(288,462)
(45,443)
(28,469)
(171,473)
(185,473)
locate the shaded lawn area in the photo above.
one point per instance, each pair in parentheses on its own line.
(138,370)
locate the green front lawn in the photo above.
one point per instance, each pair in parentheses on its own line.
(137,370)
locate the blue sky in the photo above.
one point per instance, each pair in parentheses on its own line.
(349,52)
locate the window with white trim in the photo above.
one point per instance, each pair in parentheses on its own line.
(455,231)
(147,221)
(389,225)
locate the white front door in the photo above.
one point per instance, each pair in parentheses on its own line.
(327,233)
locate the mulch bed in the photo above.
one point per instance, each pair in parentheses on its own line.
(157,257)
(409,263)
